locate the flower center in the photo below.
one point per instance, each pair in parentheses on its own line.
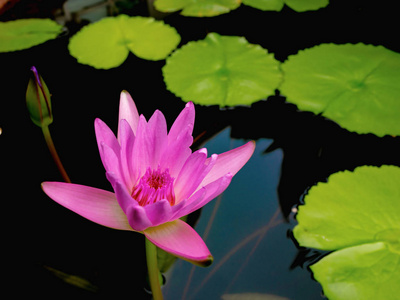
(154,185)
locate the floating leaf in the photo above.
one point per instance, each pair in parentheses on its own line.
(274,5)
(356,86)
(106,43)
(277,5)
(73,280)
(222,70)
(357,214)
(25,33)
(195,8)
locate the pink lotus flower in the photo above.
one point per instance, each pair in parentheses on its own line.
(156,180)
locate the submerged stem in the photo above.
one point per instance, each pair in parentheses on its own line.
(151,258)
(56,158)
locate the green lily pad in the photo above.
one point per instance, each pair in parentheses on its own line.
(25,33)
(356,214)
(277,5)
(222,70)
(107,43)
(356,86)
(196,8)
(362,272)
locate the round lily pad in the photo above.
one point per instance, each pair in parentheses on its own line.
(222,70)
(277,5)
(365,272)
(25,33)
(107,43)
(195,8)
(356,86)
(356,214)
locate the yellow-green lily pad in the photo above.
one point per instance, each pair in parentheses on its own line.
(26,33)
(107,43)
(356,86)
(356,215)
(197,8)
(222,70)
(277,5)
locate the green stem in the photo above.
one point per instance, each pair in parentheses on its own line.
(151,257)
(56,158)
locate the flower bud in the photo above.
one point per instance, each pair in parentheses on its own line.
(38,100)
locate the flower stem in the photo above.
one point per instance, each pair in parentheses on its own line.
(151,257)
(56,158)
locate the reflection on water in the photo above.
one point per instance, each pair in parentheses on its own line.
(247,235)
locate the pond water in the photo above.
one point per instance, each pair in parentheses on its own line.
(50,251)
(248,236)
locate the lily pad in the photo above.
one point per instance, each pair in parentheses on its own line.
(26,33)
(195,8)
(356,214)
(222,70)
(107,43)
(356,86)
(277,5)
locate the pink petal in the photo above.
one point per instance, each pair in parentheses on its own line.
(128,111)
(121,192)
(104,135)
(96,205)
(136,214)
(111,161)
(204,196)
(191,174)
(137,218)
(184,120)
(229,162)
(159,212)
(156,140)
(140,153)
(127,140)
(177,153)
(181,240)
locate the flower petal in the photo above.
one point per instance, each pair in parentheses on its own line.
(181,240)
(96,205)
(128,111)
(127,140)
(191,174)
(184,120)
(177,152)
(135,213)
(121,192)
(229,162)
(203,196)
(104,135)
(158,212)
(137,218)
(156,140)
(111,161)
(140,155)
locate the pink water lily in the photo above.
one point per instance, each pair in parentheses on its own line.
(156,180)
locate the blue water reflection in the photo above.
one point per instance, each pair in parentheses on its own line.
(247,235)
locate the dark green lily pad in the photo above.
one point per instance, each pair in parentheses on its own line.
(107,43)
(25,33)
(222,70)
(356,86)
(277,5)
(356,214)
(195,8)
